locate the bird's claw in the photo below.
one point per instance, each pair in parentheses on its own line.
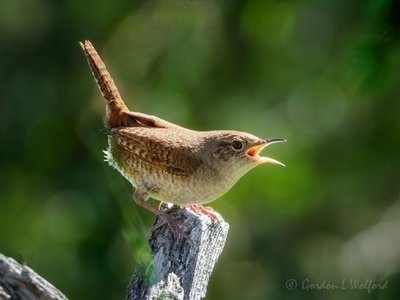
(208,211)
(176,230)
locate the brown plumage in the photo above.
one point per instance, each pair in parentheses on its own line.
(169,162)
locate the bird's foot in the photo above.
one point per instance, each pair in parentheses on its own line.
(176,230)
(208,211)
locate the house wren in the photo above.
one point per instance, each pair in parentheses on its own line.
(169,162)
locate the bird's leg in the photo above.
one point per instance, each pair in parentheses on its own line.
(141,199)
(208,211)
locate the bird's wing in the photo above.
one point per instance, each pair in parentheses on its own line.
(143,120)
(168,150)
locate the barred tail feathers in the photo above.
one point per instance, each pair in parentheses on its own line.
(115,106)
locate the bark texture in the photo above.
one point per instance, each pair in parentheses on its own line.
(181,268)
(21,282)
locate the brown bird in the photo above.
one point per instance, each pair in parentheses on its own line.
(169,162)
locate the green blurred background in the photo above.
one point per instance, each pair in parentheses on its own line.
(323,74)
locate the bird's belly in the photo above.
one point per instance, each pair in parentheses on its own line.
(180,190)
(186,191)
(198,188)
(163,186)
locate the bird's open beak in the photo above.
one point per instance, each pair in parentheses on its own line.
(254,152)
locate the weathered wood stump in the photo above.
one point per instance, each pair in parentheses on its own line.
(21,282)
(181,268)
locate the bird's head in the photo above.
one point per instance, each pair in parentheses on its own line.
(238,152)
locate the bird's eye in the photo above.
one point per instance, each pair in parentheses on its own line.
(237,145)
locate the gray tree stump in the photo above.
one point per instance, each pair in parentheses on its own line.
(181,269)
(21,282)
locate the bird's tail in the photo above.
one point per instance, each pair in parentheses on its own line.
(115,106)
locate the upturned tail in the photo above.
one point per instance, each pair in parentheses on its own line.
(115,106)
